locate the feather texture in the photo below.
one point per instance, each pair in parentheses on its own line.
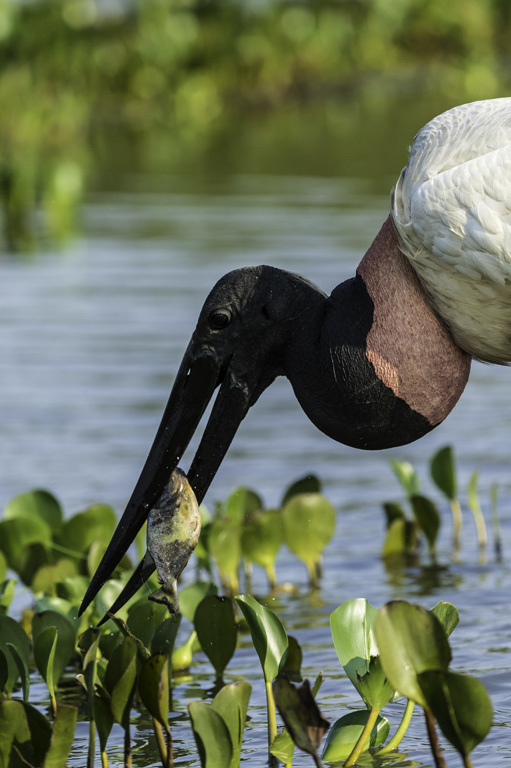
(451,209)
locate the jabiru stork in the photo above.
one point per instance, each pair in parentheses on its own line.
(383,359)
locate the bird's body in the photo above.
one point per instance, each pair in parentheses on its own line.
(385,357)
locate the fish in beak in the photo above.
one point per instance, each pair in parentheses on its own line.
(214,358)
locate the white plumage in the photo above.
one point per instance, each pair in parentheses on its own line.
(452,212)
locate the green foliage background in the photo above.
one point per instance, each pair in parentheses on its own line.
(178,72)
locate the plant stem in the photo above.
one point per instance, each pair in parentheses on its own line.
(160,741)
(170,750)
(467,762)
(127,747)
(104,759)
(272,715)
(362,739)
(403,727)
(457,520)
(433,739)
(317,761)
(92,744)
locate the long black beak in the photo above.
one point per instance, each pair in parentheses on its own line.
(197,378)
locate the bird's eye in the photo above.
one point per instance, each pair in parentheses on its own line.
(218,320)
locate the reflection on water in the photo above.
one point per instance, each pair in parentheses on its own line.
(91,341)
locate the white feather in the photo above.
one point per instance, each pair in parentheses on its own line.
(452,212)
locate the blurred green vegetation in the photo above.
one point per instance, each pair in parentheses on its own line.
(79,77)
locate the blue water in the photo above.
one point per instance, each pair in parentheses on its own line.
(91,339)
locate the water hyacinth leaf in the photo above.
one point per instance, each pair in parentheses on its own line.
(300,713)
(88,643)
(307,484)
(3,566)
(153,687)
(428,518)
(448,616)
(23,671)
(407,476)
(80,531)
(352,626)
(293,663)
(38,504)
(103,716)
(45,645)
(211,735)
(4,671)
(48,576)
(65,641)
(411,640)
(261,539)
(6,595)
(443,472)
(26,543)
(143,618)
(62,737)
(240,504)
(215,625)
(309,524)
(165,634)
(268,635)
(11,633)
(182,656)
(345,733)
(225,549)
(283,747)
(460,705)
(24,726)
(393,512)
(400,537)
(120,680)
(231,703)
(191,596)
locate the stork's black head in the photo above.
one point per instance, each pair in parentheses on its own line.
(240,344)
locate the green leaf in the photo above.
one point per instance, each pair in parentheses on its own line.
(49,575)
(3,566)
(352,626)
(309,524)
(191,595)
(407,476)
(23,725)
(38,504)
(45,645)
(428,518)
(80,531)
(164,637)
(153,686)
(307,484)
(241,503)
(65,642)
(103,716)
(293,663)
(231,703)
(346,731)
(23,671)
(211,734)
(411,640)
(88,643)
(6,595)
(300,714)
(261,539)
(400,538)
(26,544)
(215,625)
(143,619)
(11,633)
(283,747)
(225,549)
(448,616)
(443,472)
(62,737)
(461,706)
(268,635)
(393,512)
(120,680)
